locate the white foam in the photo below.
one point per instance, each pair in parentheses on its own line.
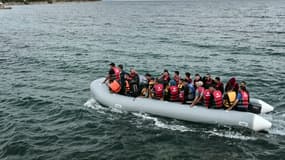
(230,134)
(161,124)
(91,103)
(116,110)
(278,127)
(215,132)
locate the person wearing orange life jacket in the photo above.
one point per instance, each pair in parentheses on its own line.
(198,93)
(173,91)
(157,90)
(113,74)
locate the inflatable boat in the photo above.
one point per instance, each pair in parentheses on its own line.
(198,114)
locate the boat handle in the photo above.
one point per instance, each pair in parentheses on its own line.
(245,124)
(118,106)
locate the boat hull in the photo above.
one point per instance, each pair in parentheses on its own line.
(198,114)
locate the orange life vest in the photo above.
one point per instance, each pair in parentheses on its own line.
(115,86)
(127,86)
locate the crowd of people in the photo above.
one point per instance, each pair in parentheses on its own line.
(200,91)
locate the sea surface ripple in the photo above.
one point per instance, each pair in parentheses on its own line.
(49,55)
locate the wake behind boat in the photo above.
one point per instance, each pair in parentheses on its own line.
(199,114)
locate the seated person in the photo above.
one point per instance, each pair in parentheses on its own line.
(243,97)
(208,81)
(219,84)
(134,83)
(164,78)
(213,98)
(232,85)
(230,99)
(188,77)
(198,93)
(173,91)
(176,77)
(157,90)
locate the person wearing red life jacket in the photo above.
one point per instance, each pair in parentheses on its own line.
(197,79)
(176,77)
(207,98)
(173,91)
(188,77)
(219,85)
(199,93)
(164,78)
(113,74)
(157,90)
(208,81)
(216,98)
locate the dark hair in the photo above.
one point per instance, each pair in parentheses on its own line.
(176,72)
(243,82)
(148,75)
(197,74)
(120,66)
(188,74)
(165,70)
(112,64)
(218,78)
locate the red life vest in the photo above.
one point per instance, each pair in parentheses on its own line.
(209,82)
(174,93)
(207,97)
(117,73)
(244,99)
(218,98)
(158,88)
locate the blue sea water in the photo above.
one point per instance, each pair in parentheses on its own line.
(49,54)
